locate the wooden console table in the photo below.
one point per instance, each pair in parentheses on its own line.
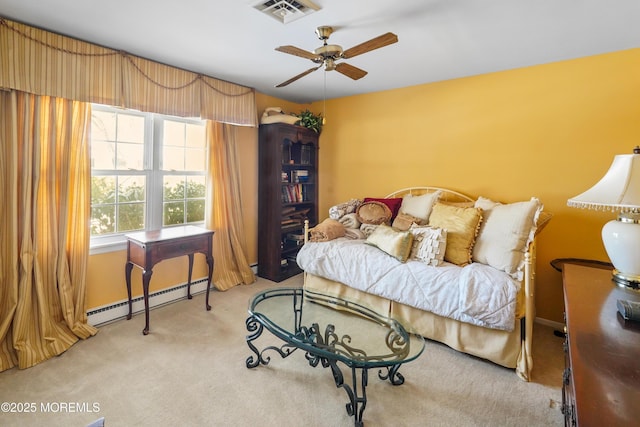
(147,248)
(602,376)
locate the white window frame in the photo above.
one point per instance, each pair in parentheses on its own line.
(153,174)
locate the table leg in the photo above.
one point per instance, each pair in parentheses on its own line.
(392,375)
(146,278)
(357,399)
(255,327)
(189,277)
(127,274)
(210,264)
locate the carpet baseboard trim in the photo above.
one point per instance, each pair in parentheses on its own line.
(108,313)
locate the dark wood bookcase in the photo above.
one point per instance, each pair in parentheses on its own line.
(288,194)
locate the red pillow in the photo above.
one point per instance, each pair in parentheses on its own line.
(392,204)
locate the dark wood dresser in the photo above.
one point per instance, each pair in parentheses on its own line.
(602,376)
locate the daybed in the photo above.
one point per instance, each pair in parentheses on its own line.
(484,307)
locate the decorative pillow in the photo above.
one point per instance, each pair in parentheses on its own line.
(429,244)
(367,229)
(395,243)
(328,229)
(505,233)
(458,204)
(419,206)
(462,226)
(373,212)
(393,204)
(403,221)
(350,221)
(342,209)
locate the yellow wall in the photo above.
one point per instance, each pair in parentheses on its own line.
(548,131)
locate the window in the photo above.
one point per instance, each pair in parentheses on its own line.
(147,171)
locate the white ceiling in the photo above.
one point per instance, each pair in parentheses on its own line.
(438,39)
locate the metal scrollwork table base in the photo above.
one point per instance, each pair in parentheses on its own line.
(332,330)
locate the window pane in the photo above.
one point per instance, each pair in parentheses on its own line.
(130,128)
(103,126)
(130,217)
(195,210)
(103,190)
(196,187)
(173,213)
(103,219)
(130,156)
(172,159)
(196,137)
(173,188)
(131,189)
(173,133)
(103,155)
(195,160)
(128,163)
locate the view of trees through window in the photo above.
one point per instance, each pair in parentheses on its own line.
(148,171)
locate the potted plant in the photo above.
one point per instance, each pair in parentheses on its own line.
(310,120)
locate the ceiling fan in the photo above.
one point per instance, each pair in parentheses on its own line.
(328,54)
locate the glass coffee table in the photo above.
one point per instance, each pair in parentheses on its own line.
(331,330)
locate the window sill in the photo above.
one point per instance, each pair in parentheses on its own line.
(111,246)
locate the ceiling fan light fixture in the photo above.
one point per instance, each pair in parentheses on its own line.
(329,64)
(332,51)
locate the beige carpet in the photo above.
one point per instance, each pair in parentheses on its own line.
(190,371)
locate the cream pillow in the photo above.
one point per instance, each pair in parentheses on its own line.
(429,244)
(505,234)
(395,243)
(419,206)
(462,226)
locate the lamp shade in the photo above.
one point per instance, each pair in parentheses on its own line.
(618,190)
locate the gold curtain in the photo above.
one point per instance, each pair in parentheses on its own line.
(45,178)
(44,63)
(224,209)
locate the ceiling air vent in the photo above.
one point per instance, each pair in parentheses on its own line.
(286,11)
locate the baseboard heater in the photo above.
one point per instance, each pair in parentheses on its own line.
(102,315)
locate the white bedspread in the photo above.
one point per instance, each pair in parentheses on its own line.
(476,294)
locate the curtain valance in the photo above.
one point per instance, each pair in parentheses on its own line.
(44,63)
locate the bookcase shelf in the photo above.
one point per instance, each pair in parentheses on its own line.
(288,194)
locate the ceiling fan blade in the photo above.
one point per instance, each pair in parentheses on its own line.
(350,71)
(292,50)
(375,43)
(299,76)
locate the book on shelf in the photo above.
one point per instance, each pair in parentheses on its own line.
(294,193)
(300,175)
(293,216)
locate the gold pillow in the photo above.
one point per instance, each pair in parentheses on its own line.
(462,225)
(404,221)
(373,213)
(398,244)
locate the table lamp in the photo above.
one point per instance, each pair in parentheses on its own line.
(619,191)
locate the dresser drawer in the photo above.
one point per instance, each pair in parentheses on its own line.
(180,247)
